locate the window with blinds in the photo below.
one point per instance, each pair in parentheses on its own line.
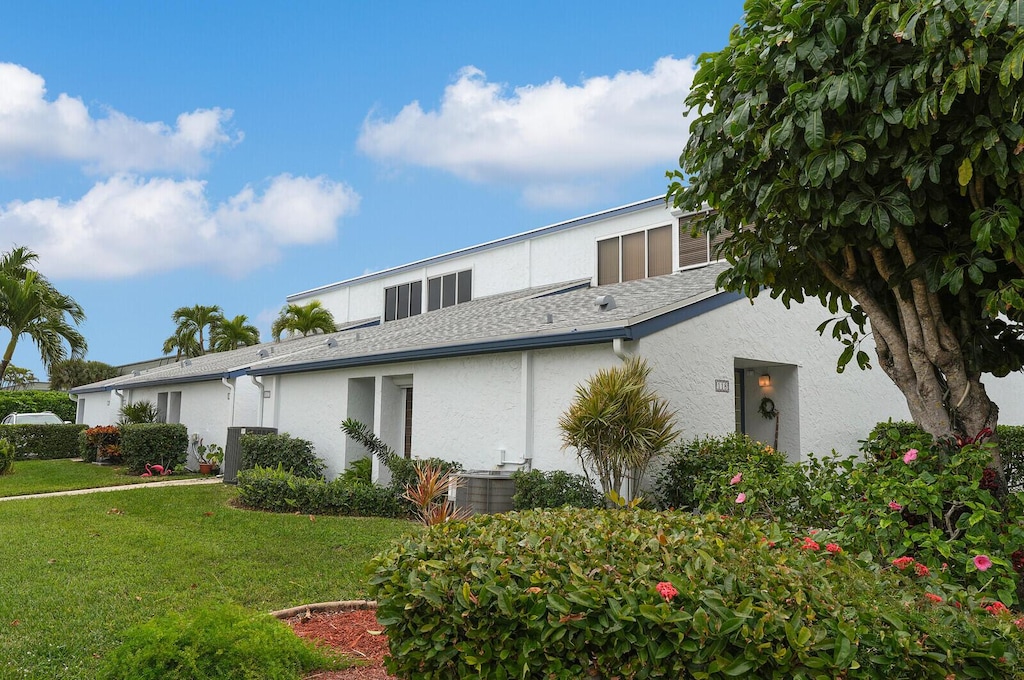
(699,250)
(634,256)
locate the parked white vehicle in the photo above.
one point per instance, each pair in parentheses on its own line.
(43,418)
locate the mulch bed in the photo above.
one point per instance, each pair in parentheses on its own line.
(354,633)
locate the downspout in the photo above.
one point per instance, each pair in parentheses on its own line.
(230,384)
(259,404)
(619,349)
(120,397)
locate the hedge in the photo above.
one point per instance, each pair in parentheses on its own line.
(277,490)
(554,489)
(42,441)
(153,443)
(568,594)
(271,450)
(34,401)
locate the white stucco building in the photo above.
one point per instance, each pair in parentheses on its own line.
(473,355)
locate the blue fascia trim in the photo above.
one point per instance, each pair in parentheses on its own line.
(677,316)
(449,351)
(166,381)
(508,240)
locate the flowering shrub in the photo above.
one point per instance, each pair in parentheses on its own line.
(930,502)
(105,440)
(567,593)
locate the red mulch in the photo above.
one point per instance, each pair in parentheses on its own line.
(353,633)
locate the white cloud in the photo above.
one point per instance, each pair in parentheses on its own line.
(127,225)
(32,127)
(543,135)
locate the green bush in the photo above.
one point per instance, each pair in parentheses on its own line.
(1011,446)
(359,471)
(34,401)
(6,457)
(403,470)
(559,594)
(153,443)
(139,412)
(86,451)
(43,441)
(271,450)
(278,490)
(695,469)
(222,642)
(536,489)
(938,503)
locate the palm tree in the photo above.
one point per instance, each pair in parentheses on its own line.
(304,319)
(31,306)
(188,337)
(230,334)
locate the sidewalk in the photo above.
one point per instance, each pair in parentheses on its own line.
(123,487)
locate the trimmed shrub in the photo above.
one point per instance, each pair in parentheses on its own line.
(153,443)
(278,490)
(537,489)
(560,594)
(6,457)
(34,401)
(223,641)
(272,450)
(104,441)
(1011,446)
(86,451)
(694,470)
(359,471)
(43,441)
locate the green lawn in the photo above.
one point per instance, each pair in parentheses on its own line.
(41,476)
(75,571)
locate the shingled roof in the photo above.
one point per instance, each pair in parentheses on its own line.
(559,315)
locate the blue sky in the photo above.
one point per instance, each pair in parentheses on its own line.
(164,154)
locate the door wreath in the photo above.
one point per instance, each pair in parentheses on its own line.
(767,409)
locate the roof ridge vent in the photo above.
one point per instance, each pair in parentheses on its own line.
(604,302)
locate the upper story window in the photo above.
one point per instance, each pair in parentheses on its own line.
(634,256)
(450,289)
(403,300)
(700,250)
(406,299)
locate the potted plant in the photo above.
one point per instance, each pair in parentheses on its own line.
(209,457)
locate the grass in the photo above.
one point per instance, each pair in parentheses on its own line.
(76,571)
(42,476)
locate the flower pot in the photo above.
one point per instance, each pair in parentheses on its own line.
(205,468)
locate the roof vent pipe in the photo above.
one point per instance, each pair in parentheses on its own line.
(549,318)
(331,342)
(605,302)
(263,353)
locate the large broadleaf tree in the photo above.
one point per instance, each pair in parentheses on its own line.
(869,154)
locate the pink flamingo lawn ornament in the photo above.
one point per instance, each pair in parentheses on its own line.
(155,469)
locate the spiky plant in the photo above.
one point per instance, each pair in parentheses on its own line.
(617,424)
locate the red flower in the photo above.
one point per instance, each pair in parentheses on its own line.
(902,563)
(833,548)
(921,570)
(933,597)
(893,505)
(997,608)
(982,562)
(666,590)
(809,544)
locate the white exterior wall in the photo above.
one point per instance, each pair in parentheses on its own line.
(542,260)
(827,409)
(1008,395)
(100,408)
(312,406)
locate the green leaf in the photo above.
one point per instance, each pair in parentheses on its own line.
(965,172)
(1015,14)
(1012,67)
(814,130)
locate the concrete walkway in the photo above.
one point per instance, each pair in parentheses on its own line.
(123,487)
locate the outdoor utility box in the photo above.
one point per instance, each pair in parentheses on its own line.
(233,451)
(485,491)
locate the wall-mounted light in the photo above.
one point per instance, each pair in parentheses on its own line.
(765,380)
